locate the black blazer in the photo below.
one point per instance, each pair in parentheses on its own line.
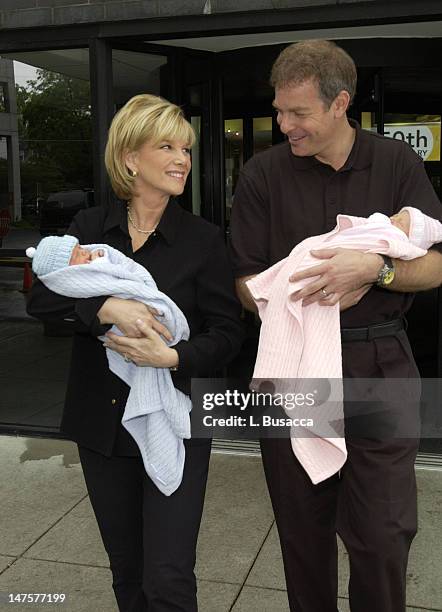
(188,260)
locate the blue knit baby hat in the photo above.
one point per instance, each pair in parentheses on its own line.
(52,253)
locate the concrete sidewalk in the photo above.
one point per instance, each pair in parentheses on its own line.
(49,542)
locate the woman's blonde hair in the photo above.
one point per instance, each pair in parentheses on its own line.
(144,118)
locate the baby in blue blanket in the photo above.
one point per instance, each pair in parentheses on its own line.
(56,252)
(156,413)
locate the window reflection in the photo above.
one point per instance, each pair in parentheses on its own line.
(262,134)
(196,166)
(4,105)
(45,178)
(136,73)
(4,183)
(52,111)
(10,195)
(234,158)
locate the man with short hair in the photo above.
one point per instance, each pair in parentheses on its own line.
(292,191)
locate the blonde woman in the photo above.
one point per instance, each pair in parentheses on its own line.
(150,538)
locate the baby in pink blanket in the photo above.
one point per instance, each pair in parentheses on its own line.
(304,342)
(402,221)
(423,231)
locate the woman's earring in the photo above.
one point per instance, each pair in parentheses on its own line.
(133,173)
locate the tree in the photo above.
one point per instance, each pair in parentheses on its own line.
(55,133)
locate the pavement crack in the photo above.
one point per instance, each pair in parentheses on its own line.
(252,565)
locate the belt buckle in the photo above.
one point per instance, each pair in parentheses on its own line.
(371,329)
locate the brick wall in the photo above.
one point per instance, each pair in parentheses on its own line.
(34,13)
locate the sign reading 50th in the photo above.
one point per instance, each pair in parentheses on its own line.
(422,138)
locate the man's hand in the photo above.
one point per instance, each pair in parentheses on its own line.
(344,275)
(243,293)
(147,350)
(353,297)
(124,314)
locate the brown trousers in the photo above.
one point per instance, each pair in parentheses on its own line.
(372,505)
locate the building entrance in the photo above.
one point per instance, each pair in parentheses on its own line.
(226,96)
(396,100)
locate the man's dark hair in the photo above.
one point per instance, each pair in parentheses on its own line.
(321,60)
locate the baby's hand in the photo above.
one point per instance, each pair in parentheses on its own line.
(401,220)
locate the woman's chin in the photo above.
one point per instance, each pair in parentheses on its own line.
(178,190)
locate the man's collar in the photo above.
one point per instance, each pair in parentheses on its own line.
(301,162)
(167,227)
(360,155)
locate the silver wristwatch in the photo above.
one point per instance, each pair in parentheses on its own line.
(386,273)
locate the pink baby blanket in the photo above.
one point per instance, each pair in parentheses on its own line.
(300,343)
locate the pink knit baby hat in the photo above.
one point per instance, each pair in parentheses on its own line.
(424,231)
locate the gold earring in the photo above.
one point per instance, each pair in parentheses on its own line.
(133,173)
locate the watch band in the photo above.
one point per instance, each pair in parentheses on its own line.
(386,273)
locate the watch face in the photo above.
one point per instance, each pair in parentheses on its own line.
(388,277)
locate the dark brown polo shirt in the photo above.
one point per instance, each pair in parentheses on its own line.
(282,199)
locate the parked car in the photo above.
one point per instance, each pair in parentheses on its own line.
(31,206)
(60,208)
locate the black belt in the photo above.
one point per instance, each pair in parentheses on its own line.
(378,330)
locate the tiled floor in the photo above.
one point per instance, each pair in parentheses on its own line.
(49,541)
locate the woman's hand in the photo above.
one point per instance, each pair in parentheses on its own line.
(147,350)
(124,314)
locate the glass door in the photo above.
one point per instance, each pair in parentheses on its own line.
(412,112)
(186,78)
(243,137)
(202,102)
(234,158)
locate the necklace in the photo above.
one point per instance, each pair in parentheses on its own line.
(129,216)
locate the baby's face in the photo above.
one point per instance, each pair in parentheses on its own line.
(82,256)
(401,220)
